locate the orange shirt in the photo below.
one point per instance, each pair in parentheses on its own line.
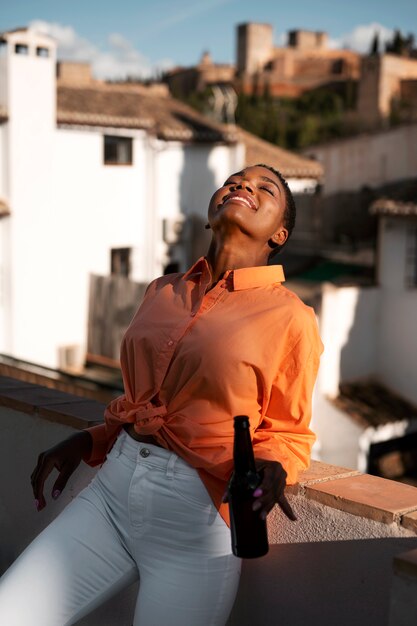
(192,360)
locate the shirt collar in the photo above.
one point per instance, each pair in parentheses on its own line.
(243,278)
(261,276)
(199,268)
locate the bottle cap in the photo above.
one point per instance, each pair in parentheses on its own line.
(241,421)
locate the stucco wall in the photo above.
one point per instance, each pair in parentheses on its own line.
(338,436)
(349,321)
(371,159)
(5,285)
(4,191)
(397,339)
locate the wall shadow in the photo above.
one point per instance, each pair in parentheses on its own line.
(320,584)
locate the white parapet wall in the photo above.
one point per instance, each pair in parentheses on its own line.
(333,565)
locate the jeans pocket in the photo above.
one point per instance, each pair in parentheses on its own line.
(190,488)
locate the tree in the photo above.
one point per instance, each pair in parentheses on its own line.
(374,49)
(400,44)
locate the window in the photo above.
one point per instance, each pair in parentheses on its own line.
(411,258)
(42,52)
(117,150)
(338,66)
(120,261)
(21,48)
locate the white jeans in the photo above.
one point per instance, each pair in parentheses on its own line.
(147,515)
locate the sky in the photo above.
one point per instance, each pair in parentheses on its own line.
(144,37)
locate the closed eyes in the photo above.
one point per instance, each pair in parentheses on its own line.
(229,183)
(268,190)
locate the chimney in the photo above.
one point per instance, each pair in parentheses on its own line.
(75,74)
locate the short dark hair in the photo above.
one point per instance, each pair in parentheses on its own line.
(289,211)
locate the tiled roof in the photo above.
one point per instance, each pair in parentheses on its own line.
(289,163)
(385,206)
(169,119)
(112,105)
(371,404)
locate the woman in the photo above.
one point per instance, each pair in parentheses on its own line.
(225,338)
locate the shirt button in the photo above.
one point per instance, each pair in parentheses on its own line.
(144,452)
(170,342)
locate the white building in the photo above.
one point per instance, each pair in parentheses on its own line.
(95,178)
(366,391)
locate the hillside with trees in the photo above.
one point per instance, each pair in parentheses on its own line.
(318,115)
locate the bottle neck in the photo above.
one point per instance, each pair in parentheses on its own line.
(244,460)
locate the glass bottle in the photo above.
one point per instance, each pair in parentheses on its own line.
(248,529)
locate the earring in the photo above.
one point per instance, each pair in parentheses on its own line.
(207,226)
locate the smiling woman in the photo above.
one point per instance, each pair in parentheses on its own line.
(225,338)
(263,190)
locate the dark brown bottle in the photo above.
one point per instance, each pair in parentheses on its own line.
(248,529)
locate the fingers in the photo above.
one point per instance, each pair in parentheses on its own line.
(61,481)
(271,491)
(266,504)
(65,457)
(286,508)
(38,477)
(41,472)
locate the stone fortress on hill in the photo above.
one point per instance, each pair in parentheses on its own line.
(382,81)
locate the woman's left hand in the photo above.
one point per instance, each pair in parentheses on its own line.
(271,489)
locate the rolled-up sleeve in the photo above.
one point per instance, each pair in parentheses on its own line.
(103,436)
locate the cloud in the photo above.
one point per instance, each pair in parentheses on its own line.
(70,45)
(361,36)
(117,60)
(121,60)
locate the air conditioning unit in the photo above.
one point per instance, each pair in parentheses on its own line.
(171,229)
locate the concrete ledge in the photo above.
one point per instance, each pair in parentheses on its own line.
(340,488)
(410,521)
(51,404)
(376,498)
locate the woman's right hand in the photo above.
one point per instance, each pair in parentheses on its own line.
(66,457)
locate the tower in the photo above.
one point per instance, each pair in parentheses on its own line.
(254,47)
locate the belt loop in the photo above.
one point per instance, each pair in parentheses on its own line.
(170,466)
(122,439)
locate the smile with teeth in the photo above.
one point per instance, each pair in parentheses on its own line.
(238,198)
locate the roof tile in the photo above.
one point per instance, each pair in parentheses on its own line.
(121,106)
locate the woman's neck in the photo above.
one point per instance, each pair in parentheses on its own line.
(228,257)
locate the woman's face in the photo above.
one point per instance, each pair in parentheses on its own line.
(254,201)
